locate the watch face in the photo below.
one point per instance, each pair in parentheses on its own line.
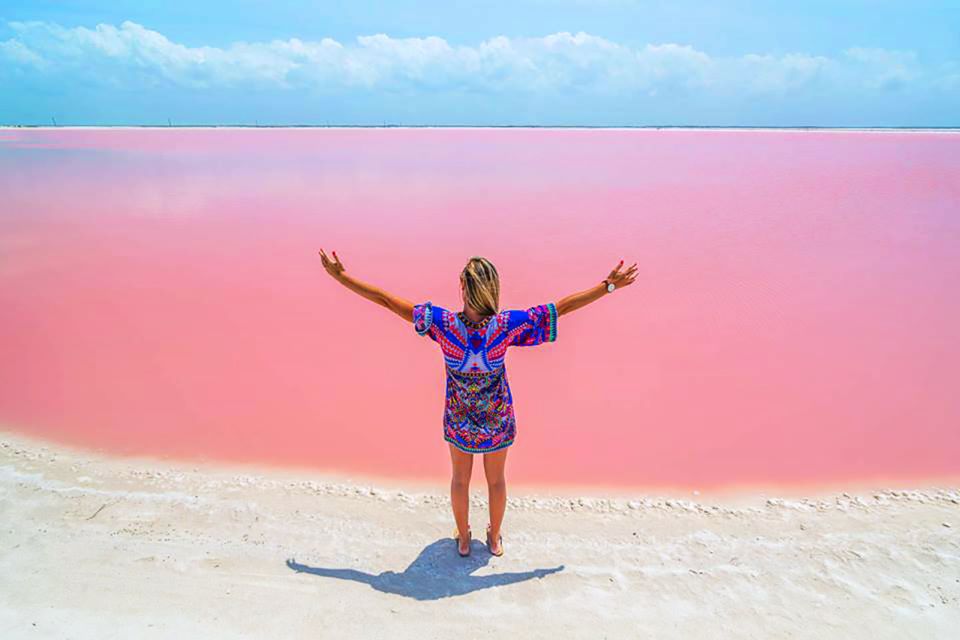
(611,287)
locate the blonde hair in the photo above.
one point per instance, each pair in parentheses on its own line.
(482,285)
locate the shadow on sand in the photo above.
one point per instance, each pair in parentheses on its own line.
(438,572)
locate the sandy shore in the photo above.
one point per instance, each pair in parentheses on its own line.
(100,547)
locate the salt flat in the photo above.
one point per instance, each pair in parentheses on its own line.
(98,546)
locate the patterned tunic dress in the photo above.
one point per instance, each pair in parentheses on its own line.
(478,414)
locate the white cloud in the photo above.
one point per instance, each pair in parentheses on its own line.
(18,53)
(560,61)
(770,74)
(882,68)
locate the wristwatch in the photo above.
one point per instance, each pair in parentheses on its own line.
(610,286)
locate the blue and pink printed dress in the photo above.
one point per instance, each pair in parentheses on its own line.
(478,416)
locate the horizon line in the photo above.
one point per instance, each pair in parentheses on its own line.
(461,126)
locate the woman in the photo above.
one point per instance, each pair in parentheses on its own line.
(478,415)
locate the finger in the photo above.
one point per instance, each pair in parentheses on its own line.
(323,255)
(337,258)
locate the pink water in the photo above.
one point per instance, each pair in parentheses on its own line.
(795,319)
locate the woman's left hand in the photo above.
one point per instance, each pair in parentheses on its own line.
(334,267)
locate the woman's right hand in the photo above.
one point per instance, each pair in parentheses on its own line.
(334,267)
(623,278)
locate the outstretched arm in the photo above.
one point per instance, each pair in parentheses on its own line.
(400,306)
(583,298)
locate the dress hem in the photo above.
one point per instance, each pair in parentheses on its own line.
(459,446)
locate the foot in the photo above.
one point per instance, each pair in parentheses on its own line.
(463,542)
(494,543)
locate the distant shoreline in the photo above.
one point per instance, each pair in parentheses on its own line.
(434,126)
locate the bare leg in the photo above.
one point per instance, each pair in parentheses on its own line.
(460,492)
(493,467)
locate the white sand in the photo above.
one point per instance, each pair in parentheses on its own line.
(106,547)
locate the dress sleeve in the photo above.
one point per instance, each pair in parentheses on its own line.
(428,319)
(533,326)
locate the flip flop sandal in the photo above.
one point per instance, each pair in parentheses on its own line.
(456,536)
(500,541)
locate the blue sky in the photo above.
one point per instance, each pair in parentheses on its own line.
(568,62)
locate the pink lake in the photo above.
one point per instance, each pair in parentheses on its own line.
(795,319)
